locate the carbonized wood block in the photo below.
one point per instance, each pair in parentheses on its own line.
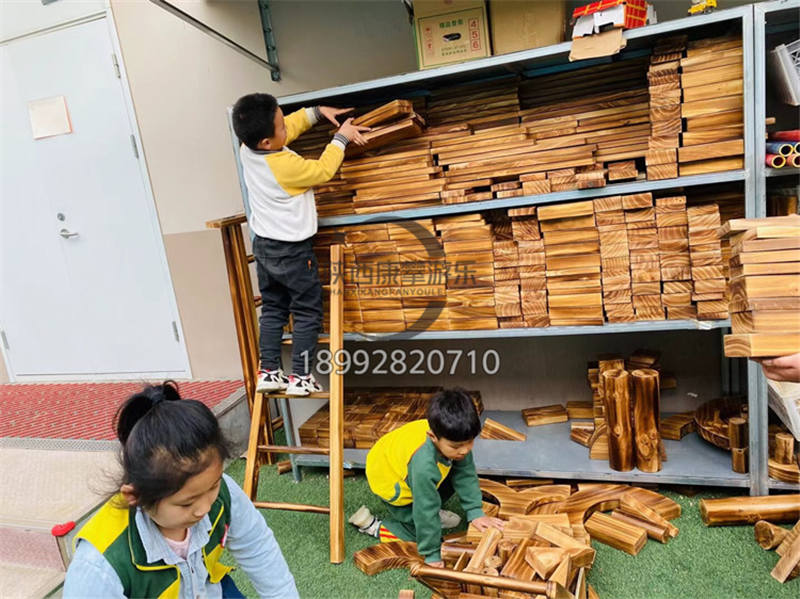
(722,119)
(562,211)
(494,430)
(615,533)
(718,149)
(711,166)
(579,409)
(778,321)
(582,222)
(708,76)
(386,556)
(544,415)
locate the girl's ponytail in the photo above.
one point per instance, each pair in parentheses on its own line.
(136,406)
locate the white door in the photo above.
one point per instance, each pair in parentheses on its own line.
(85,286)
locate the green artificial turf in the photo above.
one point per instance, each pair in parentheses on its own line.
(700,562)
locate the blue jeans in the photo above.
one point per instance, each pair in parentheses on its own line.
(289,283)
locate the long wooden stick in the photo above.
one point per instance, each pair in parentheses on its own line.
(336,409)
(768,535)
(547,589)
(749,510)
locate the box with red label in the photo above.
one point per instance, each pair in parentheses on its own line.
(606,14)
(450,31)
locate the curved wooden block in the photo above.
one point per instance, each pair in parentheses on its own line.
(387,556)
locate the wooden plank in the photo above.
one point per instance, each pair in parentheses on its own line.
(711,166)
(544,415)
(707,76)
(615,533)
(494,430)
(711,150)
(393,110)
(749,510)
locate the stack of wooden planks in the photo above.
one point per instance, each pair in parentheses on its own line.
(705,252)
(665,108)
(764,286)
(713,106)
(613,259)
(572,264)
(673,253)
(544,548)
(370,413)
(474,298)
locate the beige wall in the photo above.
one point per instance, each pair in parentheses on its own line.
(182,81)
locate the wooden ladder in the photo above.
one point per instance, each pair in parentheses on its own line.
(261,442)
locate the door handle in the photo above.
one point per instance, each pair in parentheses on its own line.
(66,233)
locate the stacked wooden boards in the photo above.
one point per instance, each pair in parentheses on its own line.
(613,259)
(764,286)
(712,107)
(577,129)
(544,548)
(370,413)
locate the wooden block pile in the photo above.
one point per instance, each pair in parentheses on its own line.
(572,264)
(474,298)
(370,413)
(705,252)
(528,247)
(544,548)
(665,108)
(764,286)
(673,253)
(712,108)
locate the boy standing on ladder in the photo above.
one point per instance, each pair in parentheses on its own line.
(284,219)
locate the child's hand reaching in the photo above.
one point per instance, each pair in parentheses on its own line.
(330,113)
(353,132)
(485,522)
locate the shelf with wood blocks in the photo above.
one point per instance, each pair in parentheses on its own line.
(530,200)
(558,331)
(549,453)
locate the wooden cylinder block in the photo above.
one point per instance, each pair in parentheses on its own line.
(749,510)
(737,432)
(617,399)
(768,535)
(740,459)
(784,448)
(646,409)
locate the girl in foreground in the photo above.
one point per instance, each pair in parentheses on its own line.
(163,534)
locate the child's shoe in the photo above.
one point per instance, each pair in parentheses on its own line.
(365,522)
(302,385)
(271,380)
(449,519)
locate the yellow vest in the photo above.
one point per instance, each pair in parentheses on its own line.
(387,462)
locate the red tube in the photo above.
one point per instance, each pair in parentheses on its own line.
(775,160)
(793,135)
(794,160)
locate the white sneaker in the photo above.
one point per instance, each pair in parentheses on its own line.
(365,522)
(271,380)
(302,385)
(449,519)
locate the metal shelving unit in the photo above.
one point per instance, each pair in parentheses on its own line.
(768,18)
(548,452)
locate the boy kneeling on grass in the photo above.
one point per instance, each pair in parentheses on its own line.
(416,468)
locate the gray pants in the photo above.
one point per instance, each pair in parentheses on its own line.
(289,283)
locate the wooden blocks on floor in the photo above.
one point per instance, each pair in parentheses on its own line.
(762,321)
(544,415)
(500,432)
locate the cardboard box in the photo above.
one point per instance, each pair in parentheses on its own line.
(525,24)
(598,16)
(450,31)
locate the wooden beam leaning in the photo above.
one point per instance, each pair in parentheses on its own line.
(336,409)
